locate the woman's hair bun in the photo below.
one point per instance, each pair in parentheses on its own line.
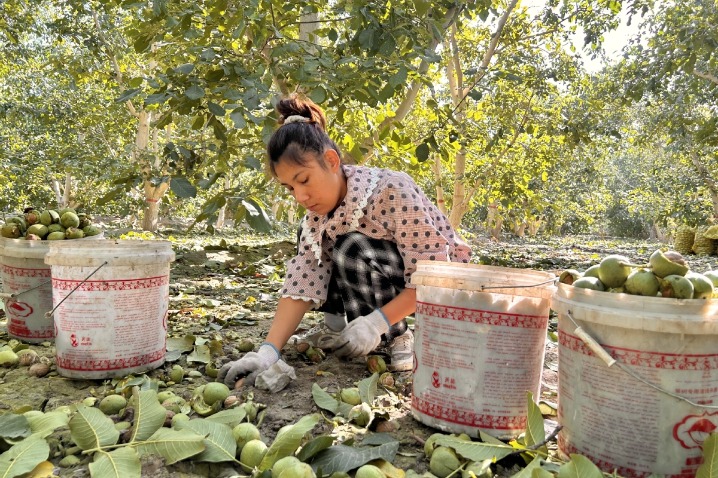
(293,108)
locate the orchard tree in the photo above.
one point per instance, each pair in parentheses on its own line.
(677,68)
(54,128)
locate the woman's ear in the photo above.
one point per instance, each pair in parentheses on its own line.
(332,159)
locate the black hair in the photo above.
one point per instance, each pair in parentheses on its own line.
(297,136)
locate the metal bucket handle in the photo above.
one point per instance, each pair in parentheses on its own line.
(49,314)
(5,295)
(598,349)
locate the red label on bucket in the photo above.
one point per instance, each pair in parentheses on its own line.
(26,312)
(474,366)
(110,325)
(622,423)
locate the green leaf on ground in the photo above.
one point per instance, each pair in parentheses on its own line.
(579,467)
(185,344)
(43,425)
(172,445)
(200,354)
(120,463)
(289,441)
(709,467)
(315,446)
(14,426)
(90,428)
(345,458)
(367,388)
(476,451)
(149,414)
(534,425)
(231,417)
(527,471)
(329,403)
(219,442)
(24,457)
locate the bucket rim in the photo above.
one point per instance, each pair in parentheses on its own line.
(115,252)
(626,311)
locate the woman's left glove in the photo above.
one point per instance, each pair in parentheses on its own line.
(362,335)
(251,365)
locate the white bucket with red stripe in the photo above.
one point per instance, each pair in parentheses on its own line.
(26,289)
(648,412)
(111,300)
(479,346)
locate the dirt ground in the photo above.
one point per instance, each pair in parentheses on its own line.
(225,291)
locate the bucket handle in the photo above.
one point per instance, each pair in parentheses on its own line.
(486,287)
(5,295)
(598,349)
(49,314)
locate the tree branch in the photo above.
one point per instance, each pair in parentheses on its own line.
(412,92)
(706,76)
(113,59)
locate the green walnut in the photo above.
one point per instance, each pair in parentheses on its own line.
(613,270)
(642,282)
(588,282)
(369,471)
(91,230)
(300,470)
(69,219)
(444,461)
(55,228)
(74,233)
(215,392)
(375,364)
(252,454)
(177,373)
(112,404)
(244,433)
(676,287)
(702,285)
(38,230)
(350,395)
(284,463)
(8,358)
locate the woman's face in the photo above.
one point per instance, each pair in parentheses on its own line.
(319,189)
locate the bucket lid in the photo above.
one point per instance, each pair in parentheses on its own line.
(477,277)
(116,253)
(655,314)
(23,249)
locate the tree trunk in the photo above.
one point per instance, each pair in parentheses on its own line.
(461,198)
(534,224)
(494,222)
(436,167)
(223,213)
(153,193)
(63,194)
(710,182)
(68,190)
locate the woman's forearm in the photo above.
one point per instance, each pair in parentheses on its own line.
(400,306)
(286,320)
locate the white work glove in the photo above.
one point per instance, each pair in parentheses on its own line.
(362,335)
(249,366)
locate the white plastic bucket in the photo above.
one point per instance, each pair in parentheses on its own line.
(478,350)
(111,301)
(26,278)
(610,414)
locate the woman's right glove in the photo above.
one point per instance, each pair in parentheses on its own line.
(249,366)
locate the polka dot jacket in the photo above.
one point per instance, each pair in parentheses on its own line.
(382,204)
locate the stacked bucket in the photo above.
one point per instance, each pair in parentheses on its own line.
(638,376)
(104,303)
